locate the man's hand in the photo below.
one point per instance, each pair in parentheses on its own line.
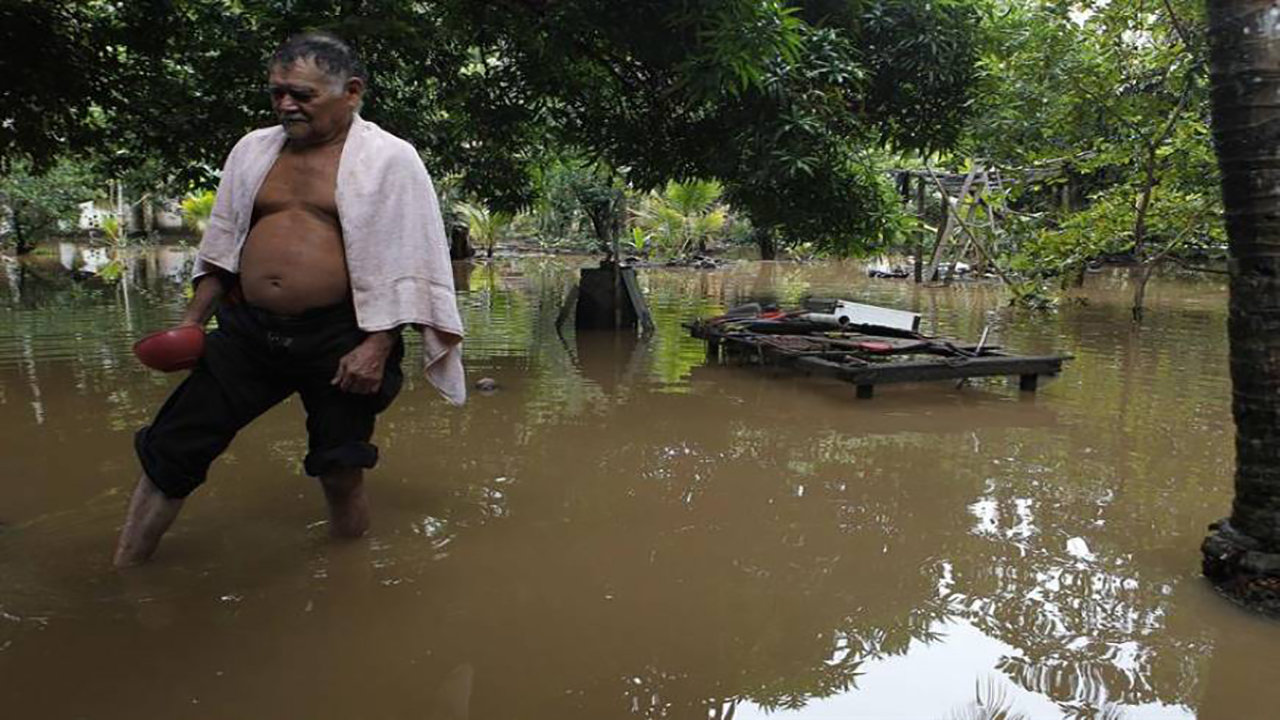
(360,371)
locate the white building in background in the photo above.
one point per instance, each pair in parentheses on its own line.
(167,218)
(67,252)
(174,263)
(95,258)
(92,214)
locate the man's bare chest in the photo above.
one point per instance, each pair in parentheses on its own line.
(306,182)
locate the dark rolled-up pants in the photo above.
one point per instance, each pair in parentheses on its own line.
(252,361)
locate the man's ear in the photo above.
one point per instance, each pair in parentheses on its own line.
(355,88)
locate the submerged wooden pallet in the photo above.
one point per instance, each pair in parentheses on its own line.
(864,356)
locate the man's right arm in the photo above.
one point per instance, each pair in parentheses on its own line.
(209,290)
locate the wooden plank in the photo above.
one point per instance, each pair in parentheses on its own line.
(637,301)
(951,214)
(971,367)
(987,256)
(927,371)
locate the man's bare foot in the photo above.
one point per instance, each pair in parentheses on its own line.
(151,512)
(348,508)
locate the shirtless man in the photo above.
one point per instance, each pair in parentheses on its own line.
(286,319)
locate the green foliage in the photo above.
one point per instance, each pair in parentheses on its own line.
(197,208)
(53,59)
(39,203)
(556,210)
(922,60)
(1031,55)
(449,195)
(777,100)
(487,226)
(601,196)
(684,217)
(736,41)
(638,241)
(1116,92)
(112,229)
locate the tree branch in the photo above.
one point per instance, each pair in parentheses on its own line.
(1177,241)
(1178,27)
(1102,103)
(1177,111)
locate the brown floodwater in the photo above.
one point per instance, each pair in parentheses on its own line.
(625,531)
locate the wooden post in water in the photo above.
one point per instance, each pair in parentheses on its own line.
(617,286)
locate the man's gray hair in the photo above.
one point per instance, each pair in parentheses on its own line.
(327,51)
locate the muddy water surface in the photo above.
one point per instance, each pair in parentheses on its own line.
(624,531)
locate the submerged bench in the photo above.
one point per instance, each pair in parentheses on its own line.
(864,356)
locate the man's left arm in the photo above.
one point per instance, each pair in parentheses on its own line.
(360,371)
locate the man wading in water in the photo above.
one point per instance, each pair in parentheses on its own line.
(324,242)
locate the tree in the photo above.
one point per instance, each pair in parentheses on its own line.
(55,63)
(683,216)
(1115,93)
(486,226)
(1242,553)
(780,101)
(37,204)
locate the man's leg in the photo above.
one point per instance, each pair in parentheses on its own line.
(339,427)
(151,512)
(348,507)
(231,385)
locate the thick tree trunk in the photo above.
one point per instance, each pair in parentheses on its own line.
(1242,555)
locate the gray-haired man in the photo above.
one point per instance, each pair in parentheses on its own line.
(325,241)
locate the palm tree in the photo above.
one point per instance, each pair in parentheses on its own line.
(1242,553)
(684,215)
(487,227)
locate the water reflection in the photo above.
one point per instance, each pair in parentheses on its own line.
(624,530)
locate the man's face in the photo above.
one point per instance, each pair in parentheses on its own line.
(310,105)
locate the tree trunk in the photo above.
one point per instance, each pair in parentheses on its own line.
(1144,203)
(765,241)
(20,237)
(1242,554)
(1140,291)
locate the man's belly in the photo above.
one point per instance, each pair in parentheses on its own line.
(293,261)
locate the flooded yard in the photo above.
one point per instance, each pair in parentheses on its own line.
(624,530)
